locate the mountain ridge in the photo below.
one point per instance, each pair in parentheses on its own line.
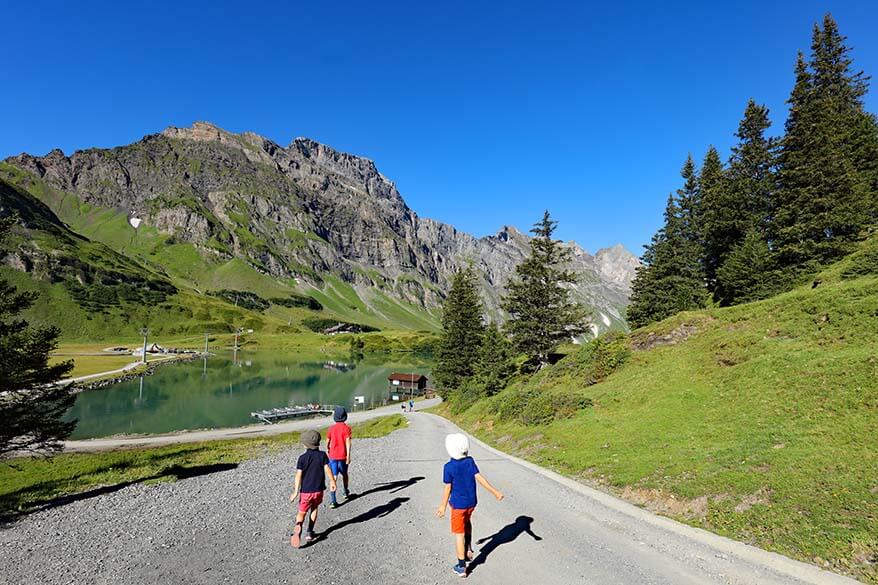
(303,211)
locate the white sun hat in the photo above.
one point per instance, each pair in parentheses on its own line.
(457,445)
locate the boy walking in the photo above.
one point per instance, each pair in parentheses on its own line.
(338,443)
(460,476)
(311,471)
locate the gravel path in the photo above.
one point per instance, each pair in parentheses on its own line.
(233,526)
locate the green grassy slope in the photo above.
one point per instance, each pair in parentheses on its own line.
(762,425)
(194,272)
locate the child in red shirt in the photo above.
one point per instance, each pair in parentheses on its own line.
(338,444)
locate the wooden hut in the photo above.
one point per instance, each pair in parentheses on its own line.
(403,385)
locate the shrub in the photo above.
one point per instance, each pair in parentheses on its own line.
(243,299)
(297,300)
(863,264)
(533,407)
(601,357)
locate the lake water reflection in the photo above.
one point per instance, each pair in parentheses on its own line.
(222,392)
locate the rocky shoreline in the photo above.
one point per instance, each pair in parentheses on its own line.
(151,367)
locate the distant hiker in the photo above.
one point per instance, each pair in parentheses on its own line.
(460,476)
(311,471)
(411,405)
(338,443)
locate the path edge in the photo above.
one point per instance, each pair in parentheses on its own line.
(773,561)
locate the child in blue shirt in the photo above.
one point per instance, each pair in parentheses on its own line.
(460,476)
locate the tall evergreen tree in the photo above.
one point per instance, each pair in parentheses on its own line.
(712,182)
(748,194)
(690,210)
(462,330)
(495,367)
(31,403)
(827,163)
(671,278)
(751,169)
(541,314)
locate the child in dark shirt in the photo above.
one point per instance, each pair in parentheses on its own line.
(311,471)
(460,476)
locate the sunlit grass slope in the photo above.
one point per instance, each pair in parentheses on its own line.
(759,421)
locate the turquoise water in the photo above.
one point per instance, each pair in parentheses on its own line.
(222,392)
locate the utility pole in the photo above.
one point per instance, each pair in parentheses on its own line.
(145,332)
(238,331)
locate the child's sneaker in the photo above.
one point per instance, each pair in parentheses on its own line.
(310,537)
(296,538)
(333,505)
(459,571)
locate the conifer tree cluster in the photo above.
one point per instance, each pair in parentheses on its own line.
(475,360)
(781,207)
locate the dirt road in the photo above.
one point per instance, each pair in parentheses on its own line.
(231,524)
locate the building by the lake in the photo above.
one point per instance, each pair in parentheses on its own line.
(401,386)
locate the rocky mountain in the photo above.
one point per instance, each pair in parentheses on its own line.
(304,214)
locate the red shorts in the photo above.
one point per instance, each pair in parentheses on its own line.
(309,500)
(460,520)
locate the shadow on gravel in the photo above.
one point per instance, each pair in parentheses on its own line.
(9,513)
(391,486)
(376,512)
(505,535)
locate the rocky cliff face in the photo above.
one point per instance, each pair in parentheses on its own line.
(304,211)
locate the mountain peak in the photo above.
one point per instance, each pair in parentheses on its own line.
(509,232)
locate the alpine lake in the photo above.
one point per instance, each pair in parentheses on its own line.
(223,390)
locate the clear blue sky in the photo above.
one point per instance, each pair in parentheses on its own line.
(483,114)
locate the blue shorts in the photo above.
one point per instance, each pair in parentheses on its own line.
(338,466)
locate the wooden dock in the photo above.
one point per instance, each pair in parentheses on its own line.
(276,414)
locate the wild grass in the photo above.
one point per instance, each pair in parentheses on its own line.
(760,426)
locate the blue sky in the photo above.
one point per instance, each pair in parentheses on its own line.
(484,114)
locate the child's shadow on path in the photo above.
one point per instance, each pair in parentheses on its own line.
(503,536)
(391,486)
(376,512)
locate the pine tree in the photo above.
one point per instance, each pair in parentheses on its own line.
(751,169)
(748,194)
(749,272)
(712,182)
(827,163)
(691,213)
(671,278)
(495,367)
(462,331)
(541,314)
(32,404)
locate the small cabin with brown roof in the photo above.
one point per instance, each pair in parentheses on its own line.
(406,384)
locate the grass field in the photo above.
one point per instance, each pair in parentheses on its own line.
(28,484)
(761,426)
(85,365)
